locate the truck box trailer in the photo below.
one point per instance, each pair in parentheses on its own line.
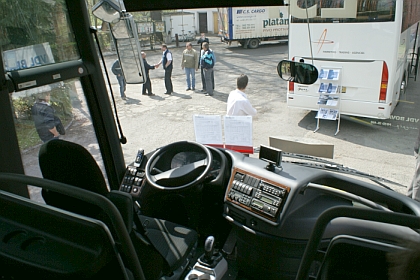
(181,23)
(249,26)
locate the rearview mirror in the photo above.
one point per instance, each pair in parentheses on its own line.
(298,72)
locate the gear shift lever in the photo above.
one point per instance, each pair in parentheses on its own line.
(208,249)
(211,265)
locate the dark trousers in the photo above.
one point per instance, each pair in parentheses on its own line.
(203,79)
(147,86)
(168,81)
(123,85)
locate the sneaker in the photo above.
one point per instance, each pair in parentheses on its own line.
(208,94)
(124,97)
(167,93)
(188,89)
(193,88)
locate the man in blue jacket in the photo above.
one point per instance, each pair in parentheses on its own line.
(207,63)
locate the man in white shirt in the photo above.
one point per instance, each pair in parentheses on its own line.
(237,103)
(167,63)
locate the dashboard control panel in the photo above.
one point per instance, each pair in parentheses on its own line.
(256,194)
(132,181)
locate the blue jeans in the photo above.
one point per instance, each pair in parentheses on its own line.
(122,83)
(190,72)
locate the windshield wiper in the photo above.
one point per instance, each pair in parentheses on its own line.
(335,167)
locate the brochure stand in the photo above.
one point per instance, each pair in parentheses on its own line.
(329,95)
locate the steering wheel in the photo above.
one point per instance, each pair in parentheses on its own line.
(180,177)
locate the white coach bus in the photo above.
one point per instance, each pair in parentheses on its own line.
(374,42)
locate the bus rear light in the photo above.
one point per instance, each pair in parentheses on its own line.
(384,83)
(291,87)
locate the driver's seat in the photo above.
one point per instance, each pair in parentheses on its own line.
(164,248)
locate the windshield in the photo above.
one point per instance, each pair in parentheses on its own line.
(152,117)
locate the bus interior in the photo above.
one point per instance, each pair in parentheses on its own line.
(184,210)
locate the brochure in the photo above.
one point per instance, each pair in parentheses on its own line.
(328,114)
(323,87)
(333,74)
(323,73)
(332,88)
(332,102)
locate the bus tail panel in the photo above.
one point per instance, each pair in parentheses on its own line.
(348,107)
(363,86)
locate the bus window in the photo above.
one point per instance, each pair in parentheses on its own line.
(67,102)
(366,11)
(39,36)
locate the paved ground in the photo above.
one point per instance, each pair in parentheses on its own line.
(150,122)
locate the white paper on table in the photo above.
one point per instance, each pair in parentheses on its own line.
(238,130)
(208,129)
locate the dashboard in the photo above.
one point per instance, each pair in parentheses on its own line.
(271,211)
(277,203)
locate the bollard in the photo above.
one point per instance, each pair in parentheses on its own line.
(176,40)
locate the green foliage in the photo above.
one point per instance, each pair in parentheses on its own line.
(29,22)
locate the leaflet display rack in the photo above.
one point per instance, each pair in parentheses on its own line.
(329,95)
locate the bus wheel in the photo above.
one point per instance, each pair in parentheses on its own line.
(253,43)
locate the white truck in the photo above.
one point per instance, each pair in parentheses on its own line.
(249,26)
(181,23)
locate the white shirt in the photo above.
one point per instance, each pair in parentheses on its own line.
(168,56)
(239,105)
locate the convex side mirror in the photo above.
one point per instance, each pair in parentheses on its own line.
(298,72)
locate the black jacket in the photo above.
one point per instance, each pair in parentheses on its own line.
(147,67)
(44,118)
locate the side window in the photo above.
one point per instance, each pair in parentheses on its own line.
(36,36)
(37,110)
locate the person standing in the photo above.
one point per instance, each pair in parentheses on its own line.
(117,70)
(167,64)
(147,86)
(202,39)
(207,63)
(47,124)
(414,188)
(203,81)
(189,64)
(238,103)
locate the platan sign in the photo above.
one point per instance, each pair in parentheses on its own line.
(28,57)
